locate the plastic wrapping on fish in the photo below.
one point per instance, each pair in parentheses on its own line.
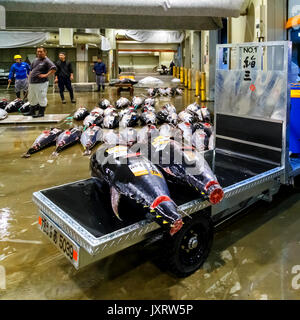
(211,143)
(111,121)
(3,103)
(147,133)
(152,92)
(147,107)
(170,130)
(207,127)
(187,132)
(129,119)
(109,111)
(200,140)
(162,115)
(172,118)
(93,119)
(150,81)
(25,107)
(195,109)
(3,114)
(97,111)
(81,113)
(13,106)
(179,91)
(162,92)
(150,102)
(170,107)
(205,114)
(186,117)
(127,110)
(122,103)
(90,137)
(104,103)
(148,117)
(128,136)
(111,137)
(137,102)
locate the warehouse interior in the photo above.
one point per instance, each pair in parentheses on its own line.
(254,256)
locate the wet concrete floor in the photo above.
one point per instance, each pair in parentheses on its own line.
(255,257)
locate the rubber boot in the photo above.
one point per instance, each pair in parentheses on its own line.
(18,94)
(32,111)
(40,113)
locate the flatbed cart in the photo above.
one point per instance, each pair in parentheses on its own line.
(250,159)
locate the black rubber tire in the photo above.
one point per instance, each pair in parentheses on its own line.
(176,259)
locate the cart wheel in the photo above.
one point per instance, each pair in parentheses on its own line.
(188,249)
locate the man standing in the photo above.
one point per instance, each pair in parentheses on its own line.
(100,70)
(64,76)
(41,68)
(172,64)
(20,71)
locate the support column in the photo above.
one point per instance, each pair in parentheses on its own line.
(196,56)
(82,63)
(276,17)
(113,65)
(2,18)
(213,40)
(116,62)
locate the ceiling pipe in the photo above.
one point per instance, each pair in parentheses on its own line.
(85,38)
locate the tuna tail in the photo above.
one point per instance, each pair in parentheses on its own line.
(87,152)
(55,153)
(215,192)
(115,199)
(26,155)
(29,152)
(167,213)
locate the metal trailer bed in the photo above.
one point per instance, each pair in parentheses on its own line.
(250,159)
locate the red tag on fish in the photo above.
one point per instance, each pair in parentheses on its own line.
(68,132)
(207,124)
(158,201)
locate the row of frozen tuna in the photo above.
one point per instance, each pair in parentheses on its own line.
(170,92)
(129,117)
(17,105)
(144,171)
(199,136)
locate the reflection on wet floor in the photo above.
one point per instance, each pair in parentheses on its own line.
(256,257)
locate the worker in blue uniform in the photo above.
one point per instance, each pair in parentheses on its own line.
(20,71)
(100,71)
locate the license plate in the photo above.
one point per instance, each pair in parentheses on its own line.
(60,239)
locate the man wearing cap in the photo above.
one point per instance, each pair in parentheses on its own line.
(41,68)
(20,71)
